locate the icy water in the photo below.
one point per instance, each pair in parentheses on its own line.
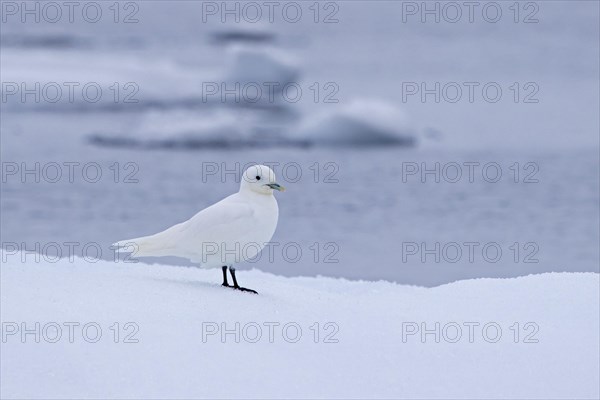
(353,213)
(516,190)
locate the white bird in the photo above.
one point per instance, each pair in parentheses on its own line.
(233,230)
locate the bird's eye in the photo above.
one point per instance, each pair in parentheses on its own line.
(257,178)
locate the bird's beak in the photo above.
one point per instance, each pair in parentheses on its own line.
(276,186)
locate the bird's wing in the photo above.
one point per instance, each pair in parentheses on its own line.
(227,221)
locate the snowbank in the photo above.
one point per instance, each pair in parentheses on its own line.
(365,347)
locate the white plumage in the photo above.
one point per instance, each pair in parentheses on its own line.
(231,231)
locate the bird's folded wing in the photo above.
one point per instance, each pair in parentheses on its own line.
(227,221)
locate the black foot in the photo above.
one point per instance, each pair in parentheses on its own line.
(236,286)
(243,289)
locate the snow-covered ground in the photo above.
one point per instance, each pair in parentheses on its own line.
(162,335)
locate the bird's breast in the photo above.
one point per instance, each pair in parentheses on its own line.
(267,216)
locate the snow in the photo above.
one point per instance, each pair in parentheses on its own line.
(172,305)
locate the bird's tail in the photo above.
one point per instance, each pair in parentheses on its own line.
(143,246)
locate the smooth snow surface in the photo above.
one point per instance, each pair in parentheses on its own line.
(175,308)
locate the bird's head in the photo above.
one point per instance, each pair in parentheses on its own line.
(259,179)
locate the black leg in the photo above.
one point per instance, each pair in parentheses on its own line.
(225,283)
(235,284)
